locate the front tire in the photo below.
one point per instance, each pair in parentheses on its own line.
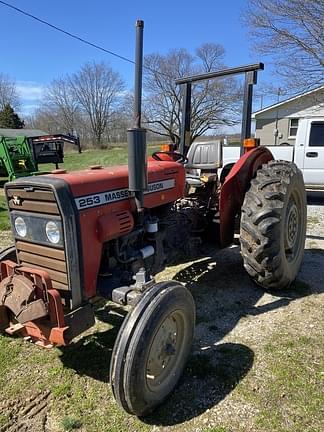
(9,254)
(273,225)
(152,348)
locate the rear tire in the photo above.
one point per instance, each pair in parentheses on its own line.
(273,225)
(152,348)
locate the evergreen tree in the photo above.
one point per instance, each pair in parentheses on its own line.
(9,119)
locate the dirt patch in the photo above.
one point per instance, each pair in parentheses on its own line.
(26,416)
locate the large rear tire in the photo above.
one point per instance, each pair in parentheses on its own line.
(273,225)
(152,348)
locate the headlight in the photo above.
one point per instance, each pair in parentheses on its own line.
(53,232)
(20,226)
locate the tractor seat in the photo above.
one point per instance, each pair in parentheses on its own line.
(202,157)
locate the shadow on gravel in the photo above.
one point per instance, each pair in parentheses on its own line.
(204,383)
(315,237)
(315,198)
(224,295)
(91,354)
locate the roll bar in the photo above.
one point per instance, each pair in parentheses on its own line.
(250,72)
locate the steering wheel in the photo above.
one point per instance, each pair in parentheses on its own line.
(177,157)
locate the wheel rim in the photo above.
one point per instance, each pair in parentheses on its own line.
(293,226)
(165,351)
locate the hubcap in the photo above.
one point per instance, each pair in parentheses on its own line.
(165,350)
(292,229)
(292,226)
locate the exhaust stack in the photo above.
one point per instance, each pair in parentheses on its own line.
(136,136)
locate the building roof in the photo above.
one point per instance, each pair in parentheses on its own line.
(13,133)
(278,104)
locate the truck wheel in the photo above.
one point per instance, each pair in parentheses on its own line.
(273,225)
(152,347)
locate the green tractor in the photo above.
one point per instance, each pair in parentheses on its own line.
(16,159)
(21,155)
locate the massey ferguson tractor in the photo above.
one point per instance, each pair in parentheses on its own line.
(107,231)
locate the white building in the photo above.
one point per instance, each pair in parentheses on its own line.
(278,123)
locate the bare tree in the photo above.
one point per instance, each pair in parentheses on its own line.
(212,101)
(8,92)
(50,121)
(97,89)
(292,32)
(46,118)
(59,102)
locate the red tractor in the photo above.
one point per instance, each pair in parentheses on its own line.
(107,232)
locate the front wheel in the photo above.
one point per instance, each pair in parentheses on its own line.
(8,254)
(273,225)
(152,348)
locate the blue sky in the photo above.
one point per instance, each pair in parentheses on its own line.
(33,54)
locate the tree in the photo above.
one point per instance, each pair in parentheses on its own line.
(9,119)
(213,101)
(61,105)
(8,92)
(292,32)
(97,89)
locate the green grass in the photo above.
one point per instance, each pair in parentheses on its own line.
(289,396)
(70,423)
(4,215)
(111,157)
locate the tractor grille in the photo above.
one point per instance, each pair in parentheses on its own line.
(37,201)
(49,258)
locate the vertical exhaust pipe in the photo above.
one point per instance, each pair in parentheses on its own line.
(136,136)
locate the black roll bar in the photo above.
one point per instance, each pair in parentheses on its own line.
(250,72)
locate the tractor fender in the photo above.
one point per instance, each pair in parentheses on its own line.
(234,188)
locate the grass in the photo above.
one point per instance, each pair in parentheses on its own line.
(4,215)
(114,156)
(70,423)
(289,396)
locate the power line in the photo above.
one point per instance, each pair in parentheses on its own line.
(68,33)
(79,38)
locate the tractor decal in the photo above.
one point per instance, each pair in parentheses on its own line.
(119,195)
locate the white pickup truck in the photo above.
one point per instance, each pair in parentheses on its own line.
(307,152)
